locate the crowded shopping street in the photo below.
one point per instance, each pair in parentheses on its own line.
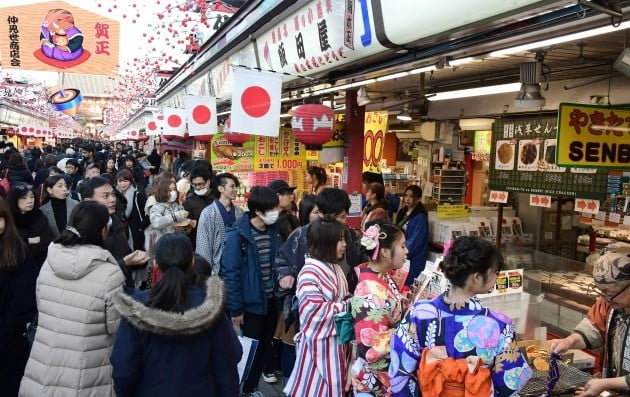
(314,198)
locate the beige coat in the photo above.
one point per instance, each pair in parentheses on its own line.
(77,324)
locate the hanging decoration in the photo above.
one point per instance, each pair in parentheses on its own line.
(237,139)
(203,138)
(313,125)
(67,101)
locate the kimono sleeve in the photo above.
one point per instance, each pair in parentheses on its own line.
(509,371)
(406,349)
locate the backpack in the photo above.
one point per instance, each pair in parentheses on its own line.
(4,184)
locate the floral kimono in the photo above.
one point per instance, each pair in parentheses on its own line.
(376,308)
(466,331)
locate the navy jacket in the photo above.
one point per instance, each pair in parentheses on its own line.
(240,268)
(189,354)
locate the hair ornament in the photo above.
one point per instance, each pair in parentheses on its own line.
(447,247)
(370,239)
(73,230)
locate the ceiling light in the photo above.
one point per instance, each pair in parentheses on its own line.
(560,40)
(392,76)
(362,83)
(423,69)
(362,97)
(456,62)
(224,113)
(404,114)
(285,115)
(489,90)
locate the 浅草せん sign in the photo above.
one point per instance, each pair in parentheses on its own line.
(593,136)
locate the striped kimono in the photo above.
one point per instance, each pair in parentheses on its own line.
(320,366)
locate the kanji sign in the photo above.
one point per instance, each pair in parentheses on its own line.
(523,159)
(58,36)
(593,136)
(373,140)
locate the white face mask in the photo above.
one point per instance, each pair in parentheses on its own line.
(172,196)
(270,217)
(201,192)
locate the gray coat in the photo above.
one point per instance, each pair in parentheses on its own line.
(47,210)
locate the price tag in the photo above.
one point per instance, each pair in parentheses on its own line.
(614,217)
(452,211)
(600,216)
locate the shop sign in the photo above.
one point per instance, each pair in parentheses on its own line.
(282,153)
(373,140)
(452,211)
(496,196)
(339,136)
(537,200)
(227,158)
(58,36)
(523,159)
(508,282)
(587,206)
(593,136)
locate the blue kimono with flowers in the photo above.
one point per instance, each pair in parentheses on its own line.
(465,329)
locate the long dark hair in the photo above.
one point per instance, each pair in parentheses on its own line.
(174,255)
(305,208)
(12,250)
(86,224)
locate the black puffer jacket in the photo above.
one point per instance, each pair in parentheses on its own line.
(19,175)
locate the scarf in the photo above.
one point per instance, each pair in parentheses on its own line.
(378,204)
(129,196)
(27,220)
(229,217)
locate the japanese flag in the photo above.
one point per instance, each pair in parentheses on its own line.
(201,113)
(159,120)
(256,102)
(175,121)
(151,126)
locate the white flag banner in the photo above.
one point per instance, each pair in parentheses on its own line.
(175,121)
(151,126)
(256,102)
(201,114)
(159,121)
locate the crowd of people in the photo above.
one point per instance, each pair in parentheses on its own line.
(123,274)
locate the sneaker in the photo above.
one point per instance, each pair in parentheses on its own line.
(256,393)
(270,377)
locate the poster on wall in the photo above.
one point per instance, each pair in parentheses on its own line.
(523,159)
(58,36)
(227,158)
(373,140)
(593,136)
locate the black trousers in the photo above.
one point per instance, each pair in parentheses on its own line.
(261,328)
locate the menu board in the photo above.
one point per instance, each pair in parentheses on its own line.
(225,157)
(523,159)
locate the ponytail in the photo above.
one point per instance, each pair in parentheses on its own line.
(174,256)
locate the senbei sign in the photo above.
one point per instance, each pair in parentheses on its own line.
(593,136)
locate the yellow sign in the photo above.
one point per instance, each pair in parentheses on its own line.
(452,211)
(281,153)
(339,135)
(591,136)
(373,140)
(57,36)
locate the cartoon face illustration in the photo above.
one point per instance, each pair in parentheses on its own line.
(61,41)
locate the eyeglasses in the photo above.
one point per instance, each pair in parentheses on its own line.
(202,184)
(607,298)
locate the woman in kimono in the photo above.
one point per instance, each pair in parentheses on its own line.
(322,292)
(376,307)
(453,344)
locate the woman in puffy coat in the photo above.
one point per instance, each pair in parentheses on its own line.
(166,213)
(77,321)
(175,340)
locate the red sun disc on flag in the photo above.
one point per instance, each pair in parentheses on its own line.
(201,114)
(255,101)
(174,121)
(152,126)
(31,129)
(24,129)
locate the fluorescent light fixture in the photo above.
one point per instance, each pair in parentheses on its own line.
(404,114)
(489,90)
(362,83)
(560,39)
(392,76)
(423,69)
(456,62)
(224,113)
(288,98)
(285,115)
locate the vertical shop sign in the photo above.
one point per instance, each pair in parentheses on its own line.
(523,159)
(283,153)
(593,136)
(339,135)
(14,40)
(373,140)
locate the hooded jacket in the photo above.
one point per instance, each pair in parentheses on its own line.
(77,324)
(161,353)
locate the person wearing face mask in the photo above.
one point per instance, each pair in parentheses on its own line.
(134,213)
(199,198)
(376,306)
(246,264)
(57,204)
(166,214)
(30,222)
(77,322)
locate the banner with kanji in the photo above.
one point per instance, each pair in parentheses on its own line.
(593,136)
(282,153)
(373,140)
(58,36)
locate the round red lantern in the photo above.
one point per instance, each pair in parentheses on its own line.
(237,139)
(313,125)
(10,132)
(203,138)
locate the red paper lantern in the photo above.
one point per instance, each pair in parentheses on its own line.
(313,125)
(203,138)
(237,139)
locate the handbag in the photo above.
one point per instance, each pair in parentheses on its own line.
(5,186)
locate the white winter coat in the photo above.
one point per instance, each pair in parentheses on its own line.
(77,324)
